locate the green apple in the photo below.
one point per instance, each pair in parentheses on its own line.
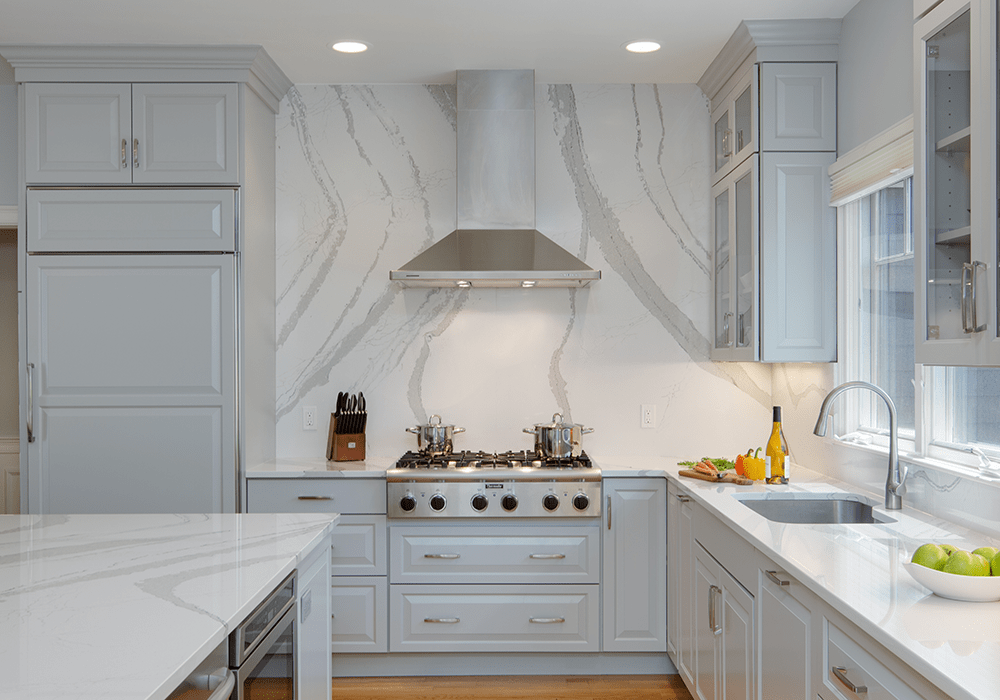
(995,565)
(951,549)
(930,555)
(986,553)
(966,564)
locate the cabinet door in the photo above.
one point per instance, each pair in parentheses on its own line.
(798,107)
(707,626)
(784,639)
(737,640)
(735,264)
(635,572)
(359,546)
(359,614)
(77,133)
(734,124)
(132,394)
(312,632)
(798,259)
(185,133)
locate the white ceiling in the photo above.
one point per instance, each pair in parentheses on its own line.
(423,41)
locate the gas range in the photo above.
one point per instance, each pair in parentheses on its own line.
(493,485)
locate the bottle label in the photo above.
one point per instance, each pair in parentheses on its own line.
(787,462)
(767,467)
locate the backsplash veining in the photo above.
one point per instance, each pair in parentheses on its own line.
(366,179)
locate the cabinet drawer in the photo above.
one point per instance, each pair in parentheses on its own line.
(858,668)
(359,546)
(496,555)
(131,220)
(296,495)
(493,618)
(358,605)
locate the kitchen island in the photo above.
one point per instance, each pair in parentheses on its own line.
(126,606)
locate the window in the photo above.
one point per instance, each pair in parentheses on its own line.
(962,411)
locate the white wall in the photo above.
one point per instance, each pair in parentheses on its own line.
(366,180)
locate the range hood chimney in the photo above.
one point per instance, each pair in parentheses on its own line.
(496,244)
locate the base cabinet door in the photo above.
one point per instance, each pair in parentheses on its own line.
(635,574)
(313,629)
(358,614)
(785,638)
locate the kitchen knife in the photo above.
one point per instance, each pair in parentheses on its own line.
(363,409)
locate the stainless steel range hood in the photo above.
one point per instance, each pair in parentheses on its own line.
(496,244)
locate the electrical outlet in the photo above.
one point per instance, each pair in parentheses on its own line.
(648,416)
(309,418)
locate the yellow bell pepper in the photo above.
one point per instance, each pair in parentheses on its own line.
(753,465)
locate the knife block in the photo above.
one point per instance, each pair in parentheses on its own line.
(344,447)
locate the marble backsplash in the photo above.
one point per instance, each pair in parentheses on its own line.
(366,180)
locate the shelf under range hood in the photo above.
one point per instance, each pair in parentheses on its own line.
(497,258)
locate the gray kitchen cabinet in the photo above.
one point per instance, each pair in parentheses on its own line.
(131,383)
(314,664)
(680,581)
(119,133)
(773,97)
(787,636)
(723,632)
(358,584)
(144,390)
(634,571)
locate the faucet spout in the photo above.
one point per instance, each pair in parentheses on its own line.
(894,483)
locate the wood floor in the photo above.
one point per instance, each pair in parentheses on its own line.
(512,688)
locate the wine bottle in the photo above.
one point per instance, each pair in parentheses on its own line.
(776,452)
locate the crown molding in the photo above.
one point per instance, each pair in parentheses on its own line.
(8,216)
(772,40)
(240,63)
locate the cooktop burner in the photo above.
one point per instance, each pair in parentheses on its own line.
(490,460)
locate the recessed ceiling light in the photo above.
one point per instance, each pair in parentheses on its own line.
(642,46)
(350,46)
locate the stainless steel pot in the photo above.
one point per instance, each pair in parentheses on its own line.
(435,438)
(558,440)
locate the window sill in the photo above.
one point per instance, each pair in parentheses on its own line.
(911,458)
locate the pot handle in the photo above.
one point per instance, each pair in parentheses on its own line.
(415,430)
(584,431)
(430,421)
(456,431)
(531,431)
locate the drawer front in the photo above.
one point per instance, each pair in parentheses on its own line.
(131,220)
(359,605)
(856,667)
(359,546)
(493,618)
(297,495)
(499,555)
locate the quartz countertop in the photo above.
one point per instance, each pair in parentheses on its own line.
(319,468)
(858,570)
(126,606)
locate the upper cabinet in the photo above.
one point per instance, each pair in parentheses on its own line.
(774,134)
(955,184)
(115,134)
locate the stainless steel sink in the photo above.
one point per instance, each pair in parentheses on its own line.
(834,508)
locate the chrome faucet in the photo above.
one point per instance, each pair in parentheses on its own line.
(894,488)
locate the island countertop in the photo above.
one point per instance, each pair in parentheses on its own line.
(126,606)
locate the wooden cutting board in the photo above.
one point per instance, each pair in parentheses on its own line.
(723,478)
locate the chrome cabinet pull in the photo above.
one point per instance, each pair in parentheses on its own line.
(135,153)
(609,512)
(714,594)
(727,143)
(315,498)
(546,620)
(442,620)
(726,330)
(31,402)
(546,556)
(975,327)
(124,153)
(442,556)
(839,672)
(775,579)
(683,499)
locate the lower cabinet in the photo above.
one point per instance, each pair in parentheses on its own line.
(786,636)
(680,582)
(634,571)
(723,632)
(314,664)
(494,618)
(359,614)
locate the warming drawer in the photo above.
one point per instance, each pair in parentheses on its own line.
(498,554)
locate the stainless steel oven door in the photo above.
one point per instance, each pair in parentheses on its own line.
(262,649)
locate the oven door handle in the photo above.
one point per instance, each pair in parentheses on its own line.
(225,688)
(251,662)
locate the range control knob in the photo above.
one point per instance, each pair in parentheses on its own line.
(550,501)
(479,503)
(438,502)
(509,502)
(408,502)
(581,501)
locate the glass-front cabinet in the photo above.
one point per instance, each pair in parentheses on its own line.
(734,125)
(734,223)
(955,192)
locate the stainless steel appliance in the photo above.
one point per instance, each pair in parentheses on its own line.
(262,649)
(490,485)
